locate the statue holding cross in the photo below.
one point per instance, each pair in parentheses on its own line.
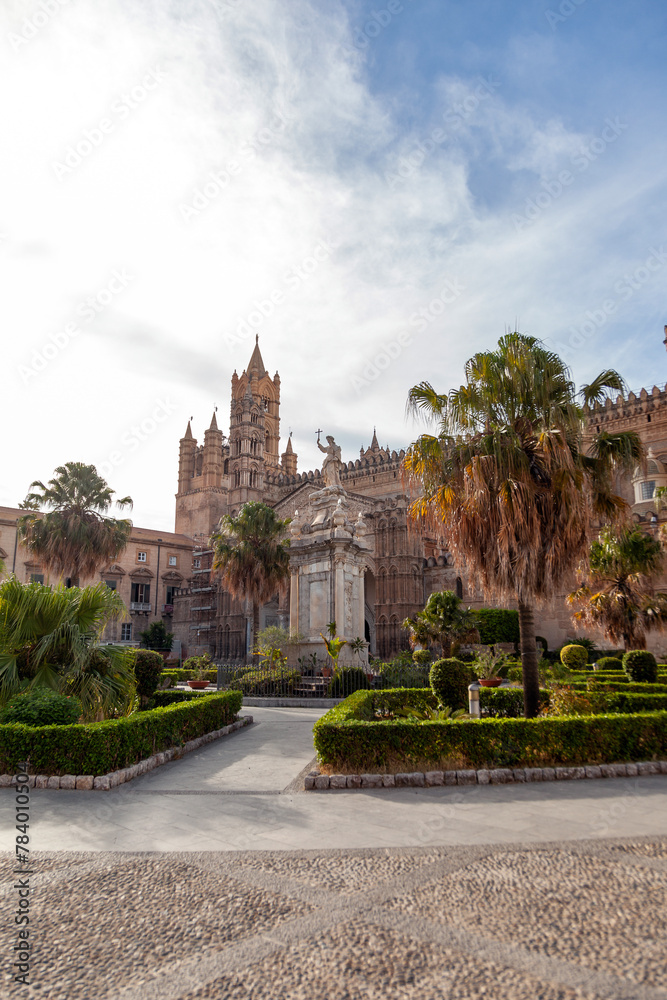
(332,463)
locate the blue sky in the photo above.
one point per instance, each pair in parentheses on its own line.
(377,189)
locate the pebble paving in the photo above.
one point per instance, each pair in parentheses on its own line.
(584,921)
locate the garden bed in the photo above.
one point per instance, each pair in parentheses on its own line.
(98,748)
(349,740)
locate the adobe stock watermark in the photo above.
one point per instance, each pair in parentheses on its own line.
(134,436)
(92,138)
(565,10)
(374,26)
(31,26)
(293,279)
(454,117)
(88,309)
(217,181)
(624,287)
(553,189)
(420,320)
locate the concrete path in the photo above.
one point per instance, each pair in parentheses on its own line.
(240,794)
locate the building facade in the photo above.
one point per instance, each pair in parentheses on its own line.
(168,576)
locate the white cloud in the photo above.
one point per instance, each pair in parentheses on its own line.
(286,185)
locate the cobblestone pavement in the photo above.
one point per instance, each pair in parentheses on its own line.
(585,919)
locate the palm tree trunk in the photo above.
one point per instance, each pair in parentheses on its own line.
(255,628)
(531,680)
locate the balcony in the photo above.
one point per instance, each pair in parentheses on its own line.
(203,607)
(167,609)
(140,606)
(199,590)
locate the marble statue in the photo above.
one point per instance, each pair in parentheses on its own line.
(332,463)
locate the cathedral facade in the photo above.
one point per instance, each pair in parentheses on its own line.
(403,565)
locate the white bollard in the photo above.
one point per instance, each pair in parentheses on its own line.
(473,700)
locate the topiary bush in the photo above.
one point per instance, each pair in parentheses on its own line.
(574,657)
(640,665)
(449,680)
(42,706)
(148,665)
(422,657)
(609,663)
(259,683)
(347,680)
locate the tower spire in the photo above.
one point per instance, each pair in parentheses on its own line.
(256,362)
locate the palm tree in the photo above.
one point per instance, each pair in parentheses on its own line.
(507,480)
(442,621)
(75,536)
(618,595)
(251,554)
(49,637)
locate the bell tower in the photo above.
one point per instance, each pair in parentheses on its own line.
(254,430)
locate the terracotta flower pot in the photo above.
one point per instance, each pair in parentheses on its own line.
(198,685)
(490,682)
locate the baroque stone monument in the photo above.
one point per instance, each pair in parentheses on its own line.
(328,558)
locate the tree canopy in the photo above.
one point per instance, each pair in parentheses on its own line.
(251,554)
(75,535)
(617,594)
(507,479)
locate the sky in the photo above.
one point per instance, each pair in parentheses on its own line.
(378,190)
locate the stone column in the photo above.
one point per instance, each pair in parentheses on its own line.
(294,600)
(339,610)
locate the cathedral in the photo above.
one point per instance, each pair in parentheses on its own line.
(399,565)
(402,567)
(355,555)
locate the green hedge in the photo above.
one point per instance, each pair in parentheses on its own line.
(497,625)
(186,675)
(346,739)
(602,684)
(506,703)
(281,681)
(99,747)
(172,697)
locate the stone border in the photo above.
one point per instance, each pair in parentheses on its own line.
(104,782)
(495,776)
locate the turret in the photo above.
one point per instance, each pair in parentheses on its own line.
(186,460)
(213,461)
(288,459)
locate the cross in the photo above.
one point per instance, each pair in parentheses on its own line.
(318,432)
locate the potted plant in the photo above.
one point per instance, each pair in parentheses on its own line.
(200,665)
(334,645)
(198,680)
(488,666)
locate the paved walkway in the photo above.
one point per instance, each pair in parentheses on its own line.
(582,921)
(216,878)
(242,793)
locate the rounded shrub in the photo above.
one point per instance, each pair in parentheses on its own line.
(422,657)
(42,707)
(148,666)
(610,663)
(347,680)
(640,665)
(449,681)
(574,657)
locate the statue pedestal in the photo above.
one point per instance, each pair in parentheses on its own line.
(328,558)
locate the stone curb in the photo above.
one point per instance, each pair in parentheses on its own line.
(104,782)
(497,776)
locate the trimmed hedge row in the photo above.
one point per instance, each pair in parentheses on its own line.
(602,684)
(507,703)
(181,674)
(99,747)
(347,740)
(173,697)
